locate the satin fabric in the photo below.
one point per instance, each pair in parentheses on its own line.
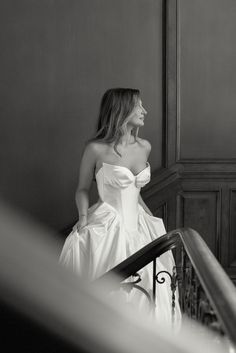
(117,227)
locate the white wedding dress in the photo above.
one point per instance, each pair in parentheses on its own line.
(118,226)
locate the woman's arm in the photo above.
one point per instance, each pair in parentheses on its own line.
(86,174)
(142,203)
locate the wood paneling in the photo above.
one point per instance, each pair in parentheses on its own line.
(200,210)
(232,232)
(161,212)
(203,160)
(171,82)
(206,80)
(160,195)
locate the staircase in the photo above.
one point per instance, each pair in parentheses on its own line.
(206,292)
(47,308)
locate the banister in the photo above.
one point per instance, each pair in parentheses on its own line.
(219,288)
(216,283)
(143,257)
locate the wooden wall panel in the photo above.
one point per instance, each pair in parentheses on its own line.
(161,212)
(200,132)
(206,80)
(160,196)
(200,210)
(232,230)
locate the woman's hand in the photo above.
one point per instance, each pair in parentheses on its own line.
(87,166)
(82,222)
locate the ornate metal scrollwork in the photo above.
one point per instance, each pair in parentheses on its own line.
(173,285)
(129,285)
(193,299)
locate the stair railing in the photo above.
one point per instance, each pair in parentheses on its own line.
(206,293)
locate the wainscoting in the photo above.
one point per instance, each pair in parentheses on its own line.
(206,203)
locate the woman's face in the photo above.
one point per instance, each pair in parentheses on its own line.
(137,115)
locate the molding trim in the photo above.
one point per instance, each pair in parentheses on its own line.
(221,171)
(206,161)
(231,263)
(161,179)
(171,81)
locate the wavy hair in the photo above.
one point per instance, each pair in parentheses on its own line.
(116,106)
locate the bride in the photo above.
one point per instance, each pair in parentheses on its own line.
(120,223)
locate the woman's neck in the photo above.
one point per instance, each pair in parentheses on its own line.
(127,138)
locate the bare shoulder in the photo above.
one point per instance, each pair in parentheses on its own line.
(145,144)
(95,149)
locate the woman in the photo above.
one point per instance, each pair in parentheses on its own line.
(120,223)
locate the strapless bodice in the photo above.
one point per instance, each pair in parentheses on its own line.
(117,227)
(120,188)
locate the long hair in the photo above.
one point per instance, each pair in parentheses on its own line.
(116,106)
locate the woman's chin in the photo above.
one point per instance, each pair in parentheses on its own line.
(138,124)
(141,122)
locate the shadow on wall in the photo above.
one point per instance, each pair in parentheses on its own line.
(57,59)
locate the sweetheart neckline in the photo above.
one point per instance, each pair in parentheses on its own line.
(121,166)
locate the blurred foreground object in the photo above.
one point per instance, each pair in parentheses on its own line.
(79,314)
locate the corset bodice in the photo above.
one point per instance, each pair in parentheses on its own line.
(120,188)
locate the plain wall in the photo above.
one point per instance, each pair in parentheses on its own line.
(207,79)
(57,57)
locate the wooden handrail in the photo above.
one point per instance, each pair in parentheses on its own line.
(216,283)
(143,257)
(219,288)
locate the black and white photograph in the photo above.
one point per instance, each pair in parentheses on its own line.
(118,176)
